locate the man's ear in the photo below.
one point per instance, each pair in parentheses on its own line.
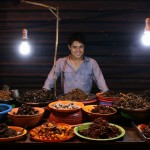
(69,47)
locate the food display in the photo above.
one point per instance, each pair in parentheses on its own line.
(5,95)
(95,111)
(65,106)
(102,109)
(52,132)
(11,133)
(6,132)
(75,94)
(107,98)
(26,116)
(99,130)
(79,96)
(133,107)
(146,95)
(143,129)
(26,110)
(132,101)
(112,94)
(35,96)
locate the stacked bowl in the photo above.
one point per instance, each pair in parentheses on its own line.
(107,98)
(66,112)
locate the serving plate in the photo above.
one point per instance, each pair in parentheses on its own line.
(86,125)
(65,103)
(65,137)
(14,138)
(89,97)
(37,104)
(35,97)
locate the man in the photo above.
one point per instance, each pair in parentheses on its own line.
(76,70)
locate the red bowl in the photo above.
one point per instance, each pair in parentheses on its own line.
(106,99)
(71,118)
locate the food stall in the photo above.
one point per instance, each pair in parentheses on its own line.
(35,136)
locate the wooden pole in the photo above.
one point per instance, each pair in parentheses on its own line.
(56,48)
(51,9)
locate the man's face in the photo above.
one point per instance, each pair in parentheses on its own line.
(77,49)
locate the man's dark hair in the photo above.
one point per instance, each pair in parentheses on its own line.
(76,36)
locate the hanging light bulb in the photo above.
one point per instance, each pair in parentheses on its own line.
(146,35)
(24,47)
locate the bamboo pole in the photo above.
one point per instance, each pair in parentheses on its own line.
(51,9)
(56,48)
(43,5)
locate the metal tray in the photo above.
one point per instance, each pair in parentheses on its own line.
(135,126)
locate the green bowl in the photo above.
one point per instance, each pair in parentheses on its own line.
(86,125)
(135,114)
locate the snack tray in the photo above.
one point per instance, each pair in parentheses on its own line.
(135,126)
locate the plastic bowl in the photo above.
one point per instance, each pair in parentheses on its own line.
(4,109)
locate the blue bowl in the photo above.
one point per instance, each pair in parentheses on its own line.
(4,109)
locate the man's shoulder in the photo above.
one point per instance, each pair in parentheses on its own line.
(89,59)
(62,59)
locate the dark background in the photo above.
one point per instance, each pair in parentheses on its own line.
(112,28)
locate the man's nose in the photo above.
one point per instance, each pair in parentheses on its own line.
(78,49)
